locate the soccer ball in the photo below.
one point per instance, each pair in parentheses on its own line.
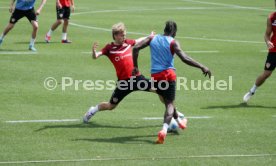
(173,127)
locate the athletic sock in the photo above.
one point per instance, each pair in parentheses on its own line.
(165,127)
(32,42)
(93,110)
(253,89)
(178,120)
(2,36)
(50,32)
(64,36)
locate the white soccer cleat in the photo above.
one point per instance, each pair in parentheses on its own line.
(247,96)
(32,48)
(88,115)
(47,38)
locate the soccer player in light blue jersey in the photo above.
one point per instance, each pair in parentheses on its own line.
(163,47)
(20,9)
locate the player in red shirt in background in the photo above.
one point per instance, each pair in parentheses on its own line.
(63,8)
(119,53)
(270,64)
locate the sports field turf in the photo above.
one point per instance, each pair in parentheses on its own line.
(226,36)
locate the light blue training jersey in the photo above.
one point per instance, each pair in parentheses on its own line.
(161,54)
(24,4)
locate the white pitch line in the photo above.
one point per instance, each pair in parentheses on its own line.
(215,51)
(222,40)
(189,117)
(193,38)
(184,51)
(103,29)
(43,121)
(135,10)
(15,53)
(228,5)
(140,158)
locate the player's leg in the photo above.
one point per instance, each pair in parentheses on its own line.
(5,32)
(261,79)
(60,13)
(30,14)
(64,32)
(103,106)
(52,29)
(66,17)
(166,122)
(34,33)
(16,15)
(167,91)
(115,99)
(268,69)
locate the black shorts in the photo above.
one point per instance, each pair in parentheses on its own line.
(125,87)
(18,14)
(63,13)
(270,63)
(166,89)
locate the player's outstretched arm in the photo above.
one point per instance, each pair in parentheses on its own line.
(268,33)
(72,6)
(142,38)
(188,60)
(135,52)
(11,9)
(95,54)
(38,11)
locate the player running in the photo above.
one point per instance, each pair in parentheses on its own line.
(163,47)
(270,64)
(63,10)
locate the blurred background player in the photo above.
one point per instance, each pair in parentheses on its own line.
(270,64)
(63,9)
(23,8)
(162,48)
(119,53)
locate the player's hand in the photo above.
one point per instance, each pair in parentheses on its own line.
(135,71)
(206,71)
(94,50)
(37,12)
(73,8)
(152,33)
(59,6)
(11,9)
(269,45)
(95,46)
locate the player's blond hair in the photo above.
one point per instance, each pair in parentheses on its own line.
(118,28)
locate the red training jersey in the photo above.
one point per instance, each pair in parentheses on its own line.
(65,3)
(272,18)
(121,58)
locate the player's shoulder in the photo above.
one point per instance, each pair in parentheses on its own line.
(130,41)
(109,45)
(272,15)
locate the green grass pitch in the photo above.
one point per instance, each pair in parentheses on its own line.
(226,36)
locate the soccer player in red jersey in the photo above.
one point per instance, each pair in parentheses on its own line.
(270,64)
(163,47)
(119,53)
(63,9)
